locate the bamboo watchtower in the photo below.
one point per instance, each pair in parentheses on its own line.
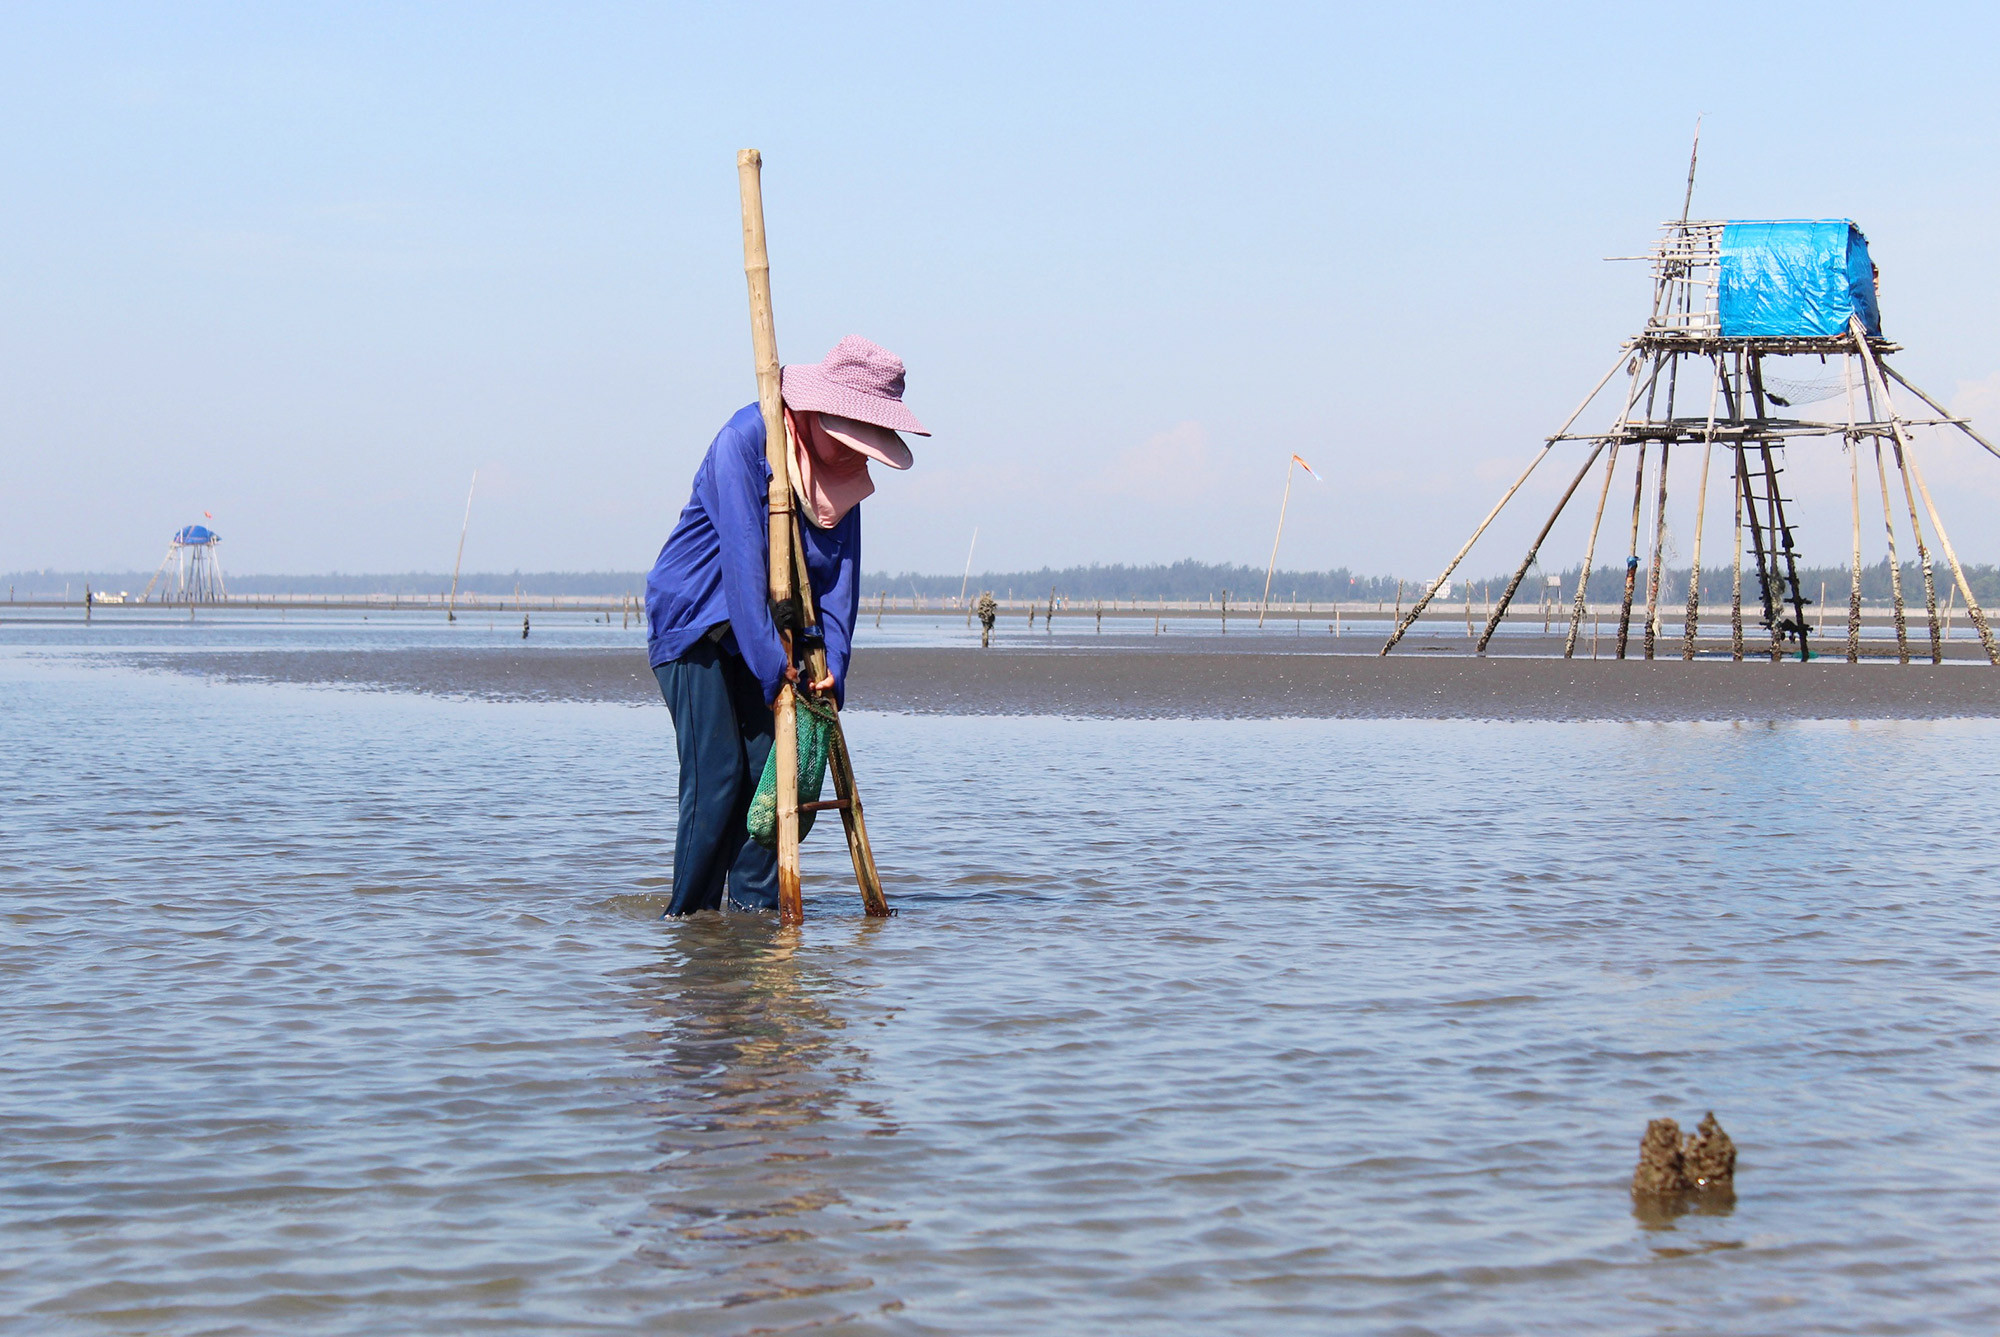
(1749,322)
(191,572)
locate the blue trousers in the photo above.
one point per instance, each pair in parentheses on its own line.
(722,731)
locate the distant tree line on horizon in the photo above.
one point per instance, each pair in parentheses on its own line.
(1185,581)
(1201,581)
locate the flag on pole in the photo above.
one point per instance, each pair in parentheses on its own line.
(1308,468)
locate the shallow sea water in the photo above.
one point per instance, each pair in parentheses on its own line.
(339,1012)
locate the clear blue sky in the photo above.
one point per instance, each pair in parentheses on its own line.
(307,267)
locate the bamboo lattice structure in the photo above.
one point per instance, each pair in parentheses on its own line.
(1688,385)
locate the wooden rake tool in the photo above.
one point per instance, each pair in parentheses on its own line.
(791,591)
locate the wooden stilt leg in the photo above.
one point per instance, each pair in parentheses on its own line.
(1972,608)
(1923,561)
(1632,554)
(1659,541)
(1520,572)
(1692,626)
(1736,575)
(1403,623)
(1854,590)
(1879,408)
(1589,553)
(1895,567)
(1423,600)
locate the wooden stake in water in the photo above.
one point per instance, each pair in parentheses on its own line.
(451,613)
(968,576)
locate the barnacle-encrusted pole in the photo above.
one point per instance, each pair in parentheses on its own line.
(1923,558)
(1632,554)
(1895,567)
(1906,461)
(1589,553)
(1659,541)
(1736,574)
(1972,608)
(1693,624)
(1854,590)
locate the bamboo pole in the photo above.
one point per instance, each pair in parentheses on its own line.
(1417,608)
(1691,628)
(451,612)
(1693,624)
(866,876)
(1589,555)
(1972,608)
(1895,567)
(1520,572)
(764,343)
(846,798)
(1923,558)
(1910,500)
(1878,409)
(1290,463)
(1736,571)
(962,580)
(1854,590)
(1659,541)
(1632,557)
(1960,423)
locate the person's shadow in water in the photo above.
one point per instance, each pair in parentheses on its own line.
(761,1127)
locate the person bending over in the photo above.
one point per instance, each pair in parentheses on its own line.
(711,638)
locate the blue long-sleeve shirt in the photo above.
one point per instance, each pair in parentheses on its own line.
(715,567)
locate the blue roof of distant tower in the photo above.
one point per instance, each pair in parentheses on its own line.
(1796,278)
(197,534)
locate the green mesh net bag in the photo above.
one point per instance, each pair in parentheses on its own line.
(816,725)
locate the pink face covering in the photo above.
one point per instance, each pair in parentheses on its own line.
(831,478)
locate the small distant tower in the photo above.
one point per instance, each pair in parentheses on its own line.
(191,571)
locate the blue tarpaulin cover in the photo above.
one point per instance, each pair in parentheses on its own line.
(1798,278)
(197,534)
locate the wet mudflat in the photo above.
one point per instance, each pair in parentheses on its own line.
(1194,681)
(349,1012)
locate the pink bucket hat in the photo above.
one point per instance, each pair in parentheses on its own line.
(857,380)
